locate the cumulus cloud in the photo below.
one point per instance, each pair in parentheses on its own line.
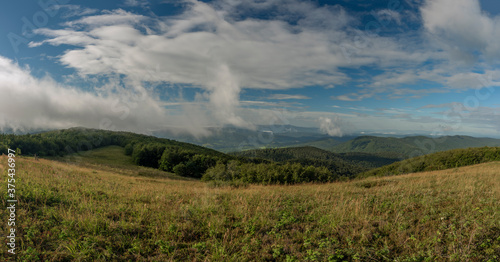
(140,3)
(459,31)
(224,47)
(75,10)
(466,117)
(29,102)
(287,97)
(330,126)
(263,53)
(460,26)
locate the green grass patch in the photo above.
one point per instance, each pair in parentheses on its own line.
(81,213)
(113,159)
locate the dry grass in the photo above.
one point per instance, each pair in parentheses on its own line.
(71,212)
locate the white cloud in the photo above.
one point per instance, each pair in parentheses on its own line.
(330,126)
(115,17)
(134,3)
(459,32)
(471,118)
(217,48)
(75,10)
(223,47)
(287,97)
(355,96)
(460,27)
(28,102)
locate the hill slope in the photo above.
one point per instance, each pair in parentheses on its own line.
(74,213)
(345,164)
(411,146)
(438,161)
(325,143)
(113,159)
(68,141)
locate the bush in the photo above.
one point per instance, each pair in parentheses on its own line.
(268,173)
(129,149)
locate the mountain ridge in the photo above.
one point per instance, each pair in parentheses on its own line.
(412,146)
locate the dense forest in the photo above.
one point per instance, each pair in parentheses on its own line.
(341,165)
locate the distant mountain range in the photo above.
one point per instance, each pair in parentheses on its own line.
(232,139)
(411,146)
(346,157)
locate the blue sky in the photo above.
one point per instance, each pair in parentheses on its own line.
(401,67)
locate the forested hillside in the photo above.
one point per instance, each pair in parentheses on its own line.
(344,164)
(68,141)
(325,144)
(267,166)
(411,146)
(438,161)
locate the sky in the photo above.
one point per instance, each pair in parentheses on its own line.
(388,66)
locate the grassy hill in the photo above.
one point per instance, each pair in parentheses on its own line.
(113,159)
(93,213)
(411,146)
(438,161)
(78,139)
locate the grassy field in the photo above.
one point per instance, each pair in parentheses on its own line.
(113,159)
(100,211)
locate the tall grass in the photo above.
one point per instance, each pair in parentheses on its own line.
(74,213)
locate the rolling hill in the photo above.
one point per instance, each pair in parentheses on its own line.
(344,164)
(148,151)
(79,139)
(230,139)
(324,143)
(438,161)
(267,166)
(411,146)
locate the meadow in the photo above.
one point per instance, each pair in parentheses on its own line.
(98,209)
